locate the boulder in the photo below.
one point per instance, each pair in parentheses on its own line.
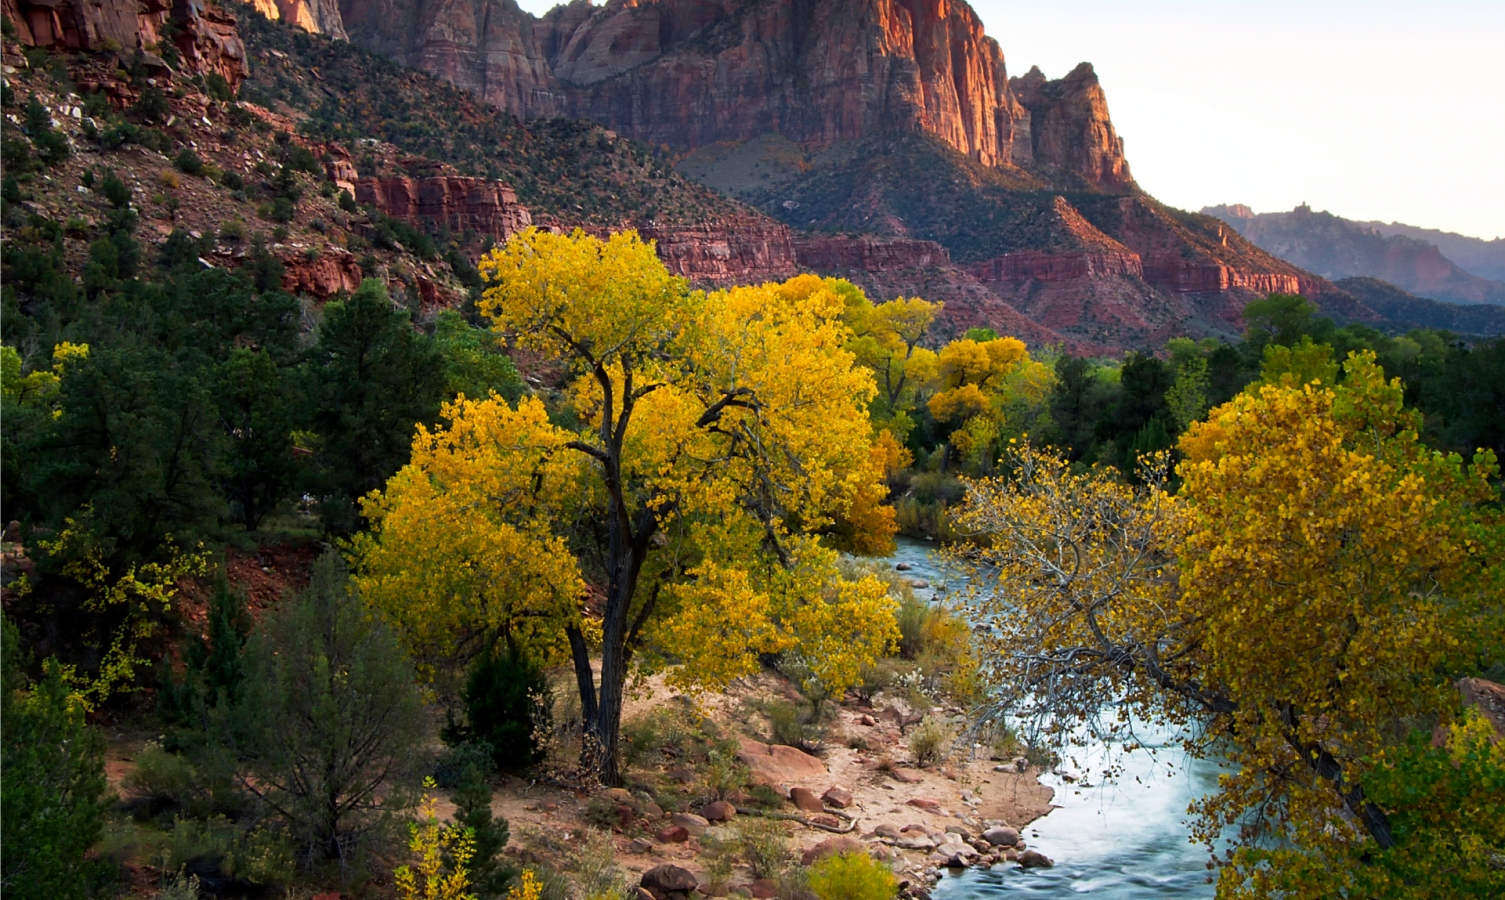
(668,882)
(831,847)
(619,796)
(651,811)
(805,800)
(905,776)
(916,840)
(719,811)
(672,834)
(885,830)
(776,764)
(837,797)
(763,888)
(1034,859)
(925,803)
(640,846)
(1001,836)
(692,823)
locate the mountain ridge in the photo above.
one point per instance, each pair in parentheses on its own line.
(1340,248)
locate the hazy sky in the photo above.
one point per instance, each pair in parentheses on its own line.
(1371,109)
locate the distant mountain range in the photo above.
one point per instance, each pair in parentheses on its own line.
(1410,258)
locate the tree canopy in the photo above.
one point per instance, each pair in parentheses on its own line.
(708,442)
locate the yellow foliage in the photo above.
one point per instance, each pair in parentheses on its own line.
(1327,563)
(1300,600)
(527,888)
(721,436)
(140,595)
(430,842)
(462,549)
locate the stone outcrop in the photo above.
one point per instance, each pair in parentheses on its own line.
(458,203)
(316,16)
(204,34)
(321,278)
(832,254)
(747,250)
(688,73)
(1070,132)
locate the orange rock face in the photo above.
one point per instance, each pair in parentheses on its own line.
(321,278)
(205,35)
(459,203)
(866,254)
(743,251)
(693,72)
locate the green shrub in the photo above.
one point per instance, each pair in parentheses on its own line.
(455,760)
(232,180)
(115,190)
(507,702)
(791,725)
(765,848)
(216,845)
(488,874)
(232,230)
(930,742)
(162,782)
(188,162)
(851,876)
(330,714)
(217,87)
(53,799)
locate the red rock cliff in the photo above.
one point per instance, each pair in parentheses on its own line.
(459,203)
(692,72)
(205,35)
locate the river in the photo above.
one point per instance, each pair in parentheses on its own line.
(1124,838)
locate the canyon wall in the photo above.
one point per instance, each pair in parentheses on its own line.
(687,73)
(204,33)
(455,202)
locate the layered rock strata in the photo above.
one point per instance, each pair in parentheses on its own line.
(203,33)
(456,202)
(688,73)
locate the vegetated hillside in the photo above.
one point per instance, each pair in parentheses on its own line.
(1406,310)
(573,171)
(1476,256)
(1335,247)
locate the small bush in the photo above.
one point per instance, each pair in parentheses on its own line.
(217,845)
(347,202)
(167,178)
(162,781)
(188,162)
(765,848)
(217,87)
(930,742)
(789,724)
(115,190)
(232,180)
(851,876)
(506,702)
(232,230)
(280,233)
(454,760)
(280,209)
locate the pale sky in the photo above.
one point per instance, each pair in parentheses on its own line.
(1370,109)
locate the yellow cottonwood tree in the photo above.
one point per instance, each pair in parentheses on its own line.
(1305,599)
(721,435)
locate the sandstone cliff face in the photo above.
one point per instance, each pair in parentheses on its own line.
(205,36)
(828,254)
(748,250)
(458,203)
(316,16)
(487,47)
(688,73)
(1070,131)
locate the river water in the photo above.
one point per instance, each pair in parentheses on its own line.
(1111,839)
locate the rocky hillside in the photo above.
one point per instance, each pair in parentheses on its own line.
(689,73)
(1341,248)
